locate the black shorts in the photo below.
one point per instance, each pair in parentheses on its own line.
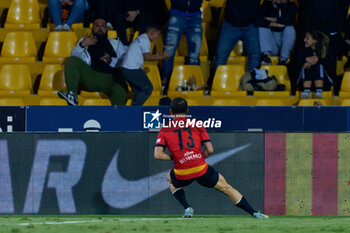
(208,179)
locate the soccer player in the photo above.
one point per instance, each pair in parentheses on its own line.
(184,144)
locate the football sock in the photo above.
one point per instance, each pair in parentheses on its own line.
(179,194)
(244,205)
(319,90)
(307,90)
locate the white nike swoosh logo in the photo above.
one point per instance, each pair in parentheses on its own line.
(120,193)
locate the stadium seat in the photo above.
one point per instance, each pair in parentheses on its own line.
(97,102)
(345,86)
(153,74)
(181,73)
(238,49)
(58,46)
(312,102)
(112,34)
(281,74)
(182,50)
(269,102)
(53,102)
(217,3)
(11,102)
(90,94)
(52,80)
(18,47)
(15,80)
(226,102)
(206,12)
(227,80)
(345,102)
(151,101)
(23,14)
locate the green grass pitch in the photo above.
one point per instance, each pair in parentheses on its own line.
(200,224)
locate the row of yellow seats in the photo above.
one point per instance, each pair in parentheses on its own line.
(226,81)
(26,14)
(16,80)
(19,47)
(53,102)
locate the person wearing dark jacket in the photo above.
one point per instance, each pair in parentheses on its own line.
(185,18)
(328,17)
(276,31)
(239,24)
(310,61)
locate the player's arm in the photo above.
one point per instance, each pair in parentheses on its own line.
(208,149)
(160,154)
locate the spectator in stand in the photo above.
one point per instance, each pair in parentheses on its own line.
(310,62)
(75,13)
(138,52)
(122,14)
(239,24)
(328,17)
(276,31)
(92,66)
(347,43)
(185,18)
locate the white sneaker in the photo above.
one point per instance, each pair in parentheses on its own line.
(188,212)
(65,27)
(318,95)
(305,95)
(260,215)
(58,28)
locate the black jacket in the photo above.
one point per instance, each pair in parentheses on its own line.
(284,13)
(186,6)
(324,15)
(242,13)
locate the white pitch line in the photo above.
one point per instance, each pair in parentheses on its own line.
(55,223)
(152,219)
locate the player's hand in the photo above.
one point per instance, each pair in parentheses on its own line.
(131,16)
(205,153)
(106,58)
(89,40)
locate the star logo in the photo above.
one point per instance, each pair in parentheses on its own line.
(156,115)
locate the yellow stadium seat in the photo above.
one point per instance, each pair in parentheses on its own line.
(182,50)
(217,3)
(168,4)
(153,75)
(52,80)
(345,86)
(206,12)
(58,46)
(312,102)
(112,34)
(226,102)
(345,102)
(11,102)
(185,72)
(97,102)
(227,80)
(238,49)
(151,101)
(90,94)
(53,101)
(281,74)
(18,47)
(269,102)
(23,14)
(15,80)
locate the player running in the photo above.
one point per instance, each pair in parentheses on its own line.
(184,144)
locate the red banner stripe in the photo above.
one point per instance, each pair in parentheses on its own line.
(325,170)
(275,173)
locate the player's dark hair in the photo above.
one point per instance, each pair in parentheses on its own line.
(178,106)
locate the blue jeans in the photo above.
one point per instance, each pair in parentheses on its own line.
(77,11)
(229,36)
(179,25)
(272,42)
